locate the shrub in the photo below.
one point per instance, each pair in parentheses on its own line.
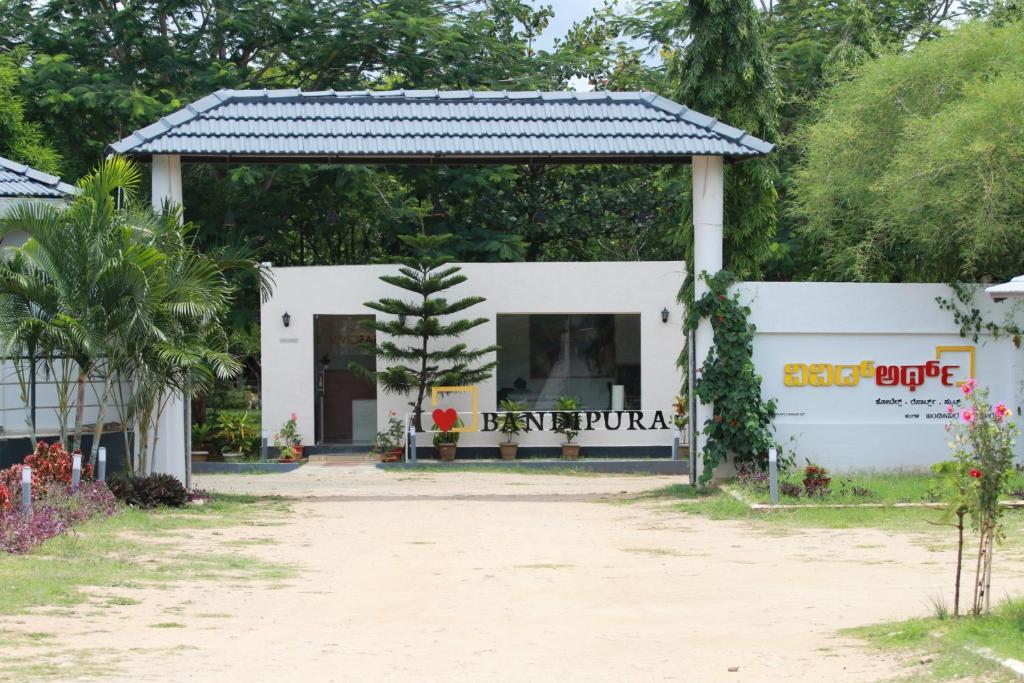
(55,508)
(753,479)
(150,491)
(788,488)
(50,464)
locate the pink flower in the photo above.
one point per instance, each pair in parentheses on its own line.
(1001,411)
(295,418)
(949,410)
(967,416)
(968,386)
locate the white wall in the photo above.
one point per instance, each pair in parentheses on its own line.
(845,427)
(620,287)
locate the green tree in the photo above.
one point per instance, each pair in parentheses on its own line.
(21,140)
(107,291)
(433,357)
(913,170)
(718,63)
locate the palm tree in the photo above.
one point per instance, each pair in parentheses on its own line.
(121,292)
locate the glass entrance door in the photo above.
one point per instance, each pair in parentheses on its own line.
(347,403)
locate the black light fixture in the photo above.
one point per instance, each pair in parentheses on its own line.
(332,218)
(286,319)
(664,315)
(229,218)
(401,319)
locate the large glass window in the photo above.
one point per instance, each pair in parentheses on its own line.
(593,356)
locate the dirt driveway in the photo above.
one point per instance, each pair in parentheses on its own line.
(513,577)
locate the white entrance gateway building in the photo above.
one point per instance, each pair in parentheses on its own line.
(439,127)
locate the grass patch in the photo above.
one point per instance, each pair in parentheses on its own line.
(718,504)
(167,624)
(887,488)
(132,548)
(950,641)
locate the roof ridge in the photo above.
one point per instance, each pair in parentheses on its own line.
(45,179)
(737,135)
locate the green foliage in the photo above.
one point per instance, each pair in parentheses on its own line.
(391,438)
(237,433)
(968,317)
(21,140)
(512,422)
(155,490)
(419,365)
(913,170)
(742,420)
(120,291)
(567,423)
(719,64)
(449,437)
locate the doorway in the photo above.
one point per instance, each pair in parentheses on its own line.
(346,401)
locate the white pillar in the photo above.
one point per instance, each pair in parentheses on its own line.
(708,183)
(172,451)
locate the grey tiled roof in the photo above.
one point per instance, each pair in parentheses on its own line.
(443,126)
(19,180)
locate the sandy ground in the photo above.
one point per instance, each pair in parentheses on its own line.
(494,577)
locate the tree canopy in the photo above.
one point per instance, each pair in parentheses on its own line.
(913,169)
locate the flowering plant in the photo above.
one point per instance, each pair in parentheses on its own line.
(982,444)
(289,436)
(680,407)
(816,479)
(392,437)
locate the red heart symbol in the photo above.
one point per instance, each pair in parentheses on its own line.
(445,419)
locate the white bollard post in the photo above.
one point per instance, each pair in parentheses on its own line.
(675,442)
(264,442)
(26,492)
(76,470)
(101,464)
(412,443)
(773,475)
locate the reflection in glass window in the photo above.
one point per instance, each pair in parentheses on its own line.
(595,357)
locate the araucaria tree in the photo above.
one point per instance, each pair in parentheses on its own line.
(420,335)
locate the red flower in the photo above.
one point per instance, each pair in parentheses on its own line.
(975,473)
(718,418)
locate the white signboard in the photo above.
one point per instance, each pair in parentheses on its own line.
(871,401)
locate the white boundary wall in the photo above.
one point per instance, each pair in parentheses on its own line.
(847,427)
(608,287)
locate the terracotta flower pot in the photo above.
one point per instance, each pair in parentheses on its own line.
(446,452)
(392,455)
(508,450)
(570,451)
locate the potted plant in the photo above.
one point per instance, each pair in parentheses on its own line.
(237,435)
(567,424)
(445,442)
(389,443)
(816,479)
(512,424)
(288,441)
(202,437)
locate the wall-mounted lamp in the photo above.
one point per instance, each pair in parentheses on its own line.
(664,315)
(401,319)
(286,319)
